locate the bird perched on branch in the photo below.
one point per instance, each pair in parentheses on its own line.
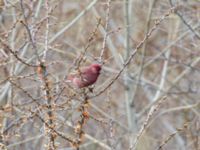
(86,76)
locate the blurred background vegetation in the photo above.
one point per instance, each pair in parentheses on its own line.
(146,98)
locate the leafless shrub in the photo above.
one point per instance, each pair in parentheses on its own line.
(147,95)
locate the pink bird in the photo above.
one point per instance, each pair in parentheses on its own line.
(87,76)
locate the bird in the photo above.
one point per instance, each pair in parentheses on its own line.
(86,76)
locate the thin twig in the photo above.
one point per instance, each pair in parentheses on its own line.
(106,29)
(15,54)
(185,22)
(149,116)
(133,53)
(178,130)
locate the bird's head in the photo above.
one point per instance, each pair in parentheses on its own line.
(96,68)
